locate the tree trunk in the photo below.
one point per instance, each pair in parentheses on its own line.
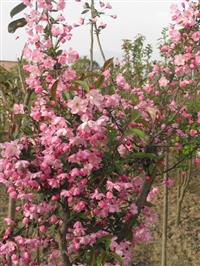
(63,248)
(62,236)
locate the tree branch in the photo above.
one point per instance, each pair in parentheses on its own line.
(99,42)
(92,36)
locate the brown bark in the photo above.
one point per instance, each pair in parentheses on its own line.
(140,202)
(62,236)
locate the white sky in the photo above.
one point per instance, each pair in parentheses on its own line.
(147,17)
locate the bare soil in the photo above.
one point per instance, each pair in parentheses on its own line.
(183,248)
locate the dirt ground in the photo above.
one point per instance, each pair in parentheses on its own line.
(183,248)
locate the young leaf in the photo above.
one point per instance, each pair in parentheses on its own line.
(138,132)
(99,81)
(66,95)
(99,260)
(93,258)
(17,9)
(59,52)
(107,64)
(82,84)
(14,25)
(53,90)
(84,11)
(118,258)
(87,5)
(143,155)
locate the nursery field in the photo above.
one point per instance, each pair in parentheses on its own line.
(99,163)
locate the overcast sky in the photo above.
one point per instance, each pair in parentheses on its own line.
(147,17)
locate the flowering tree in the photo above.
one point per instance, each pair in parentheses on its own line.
(83,174)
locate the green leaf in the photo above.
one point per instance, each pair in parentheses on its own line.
(59,52)
(53,90)
(17,134)
(28,130)
(47,30)
(142,155)
(108,63)
(14,25)
(53,10)
(87,5)
(17,9)
(66,95)
(118,258)
(84,11)
(99,260)
(99,81)
(82,84)
(135,114)
(92,258)
(106,240)
(138,132)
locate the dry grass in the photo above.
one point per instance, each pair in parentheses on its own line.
(8,64)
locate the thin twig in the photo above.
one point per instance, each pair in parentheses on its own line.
(92,36)
(99,42)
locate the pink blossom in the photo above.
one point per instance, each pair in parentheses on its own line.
(196,36)
(11,149)
(152,194)
(61,4)
(120,80)
(95,98)
(72,56)
(53,219)
(109,195)
(198,116)
(77,105)
(197,161)
(133,209)
(80,206)
(9,221)
(193,132)
(179,60)
(97,195)
(25,220)
(27,2)
(42,229)
(102,25)
(175,35)
(163,82)
(168,182)
(108,5)
(197,58)
(101,4)
(142,234)
(56,30)
(15,259)
(122,150)
(18,109)
(78,229)
(114,16)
